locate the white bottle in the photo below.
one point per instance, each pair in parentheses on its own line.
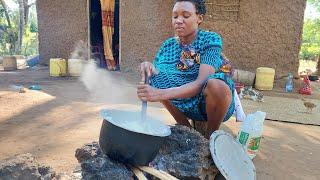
(250,132)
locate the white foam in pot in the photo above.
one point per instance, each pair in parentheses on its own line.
(132,121)
(230,157)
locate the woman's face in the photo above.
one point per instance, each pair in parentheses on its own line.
(185,20)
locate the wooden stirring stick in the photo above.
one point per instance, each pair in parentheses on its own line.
(138,173)
(158,173)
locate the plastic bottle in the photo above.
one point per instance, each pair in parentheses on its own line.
(289,83)
(250,132)
(18,88)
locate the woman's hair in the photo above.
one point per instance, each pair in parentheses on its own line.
(199,4)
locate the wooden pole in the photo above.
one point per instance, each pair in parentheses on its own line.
(158,173)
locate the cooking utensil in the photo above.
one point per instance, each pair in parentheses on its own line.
(313,77)
(127,146)
(144,103)
(122,142)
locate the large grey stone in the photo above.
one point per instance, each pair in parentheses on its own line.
(186,155)
(96,165)
(24,167)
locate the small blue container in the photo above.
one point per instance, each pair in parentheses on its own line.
(35,87)
(33,61)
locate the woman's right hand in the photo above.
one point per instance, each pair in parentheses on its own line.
(147,68)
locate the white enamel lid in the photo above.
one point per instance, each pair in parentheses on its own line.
(230,157)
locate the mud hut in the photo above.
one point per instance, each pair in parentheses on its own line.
(255,33)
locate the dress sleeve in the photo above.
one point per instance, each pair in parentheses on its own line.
(156,59)
(156,62)
(158,54)
(212,57)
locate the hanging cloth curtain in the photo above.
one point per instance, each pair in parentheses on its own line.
(107,10)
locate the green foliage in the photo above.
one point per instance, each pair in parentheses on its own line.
(315,3)
(9,36)
(7,41)
(310,48)
(1,12)
(33,27)
(30,40)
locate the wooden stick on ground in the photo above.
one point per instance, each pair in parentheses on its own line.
(139,174)
(158,173)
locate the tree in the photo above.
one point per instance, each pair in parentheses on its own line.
(311,31)
(7,33)
(21,25)
(318,66)
(310,47)
(316,3)
(5,9)
(21,36)
(24,7)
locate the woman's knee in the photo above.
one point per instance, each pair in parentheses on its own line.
(217,89)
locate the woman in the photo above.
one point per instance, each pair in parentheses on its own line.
(188,75)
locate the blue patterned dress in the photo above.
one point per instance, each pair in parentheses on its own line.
(209,46)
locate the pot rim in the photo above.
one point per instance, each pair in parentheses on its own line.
(106,117)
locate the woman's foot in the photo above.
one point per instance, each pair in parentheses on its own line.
(111,65)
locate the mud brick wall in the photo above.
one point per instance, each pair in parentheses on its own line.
(62,24)
(259,32)
(255,32)
(145,24)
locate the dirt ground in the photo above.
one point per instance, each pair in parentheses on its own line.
(53,122)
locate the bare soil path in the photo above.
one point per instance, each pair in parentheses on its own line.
(53,122)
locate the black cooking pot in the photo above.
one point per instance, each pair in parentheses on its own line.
(127,146)
(313,77)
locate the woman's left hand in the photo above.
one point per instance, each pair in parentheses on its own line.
(148,93)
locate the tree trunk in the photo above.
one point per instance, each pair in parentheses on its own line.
(26,11)
(21,25)
(23,20)
(318,66)
(6,12)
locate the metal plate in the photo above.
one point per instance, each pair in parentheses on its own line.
(230,157)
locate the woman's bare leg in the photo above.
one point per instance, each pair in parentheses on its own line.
(218,97)
(111,64)
(177,115)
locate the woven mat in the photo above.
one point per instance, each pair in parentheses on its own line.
(285,109)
